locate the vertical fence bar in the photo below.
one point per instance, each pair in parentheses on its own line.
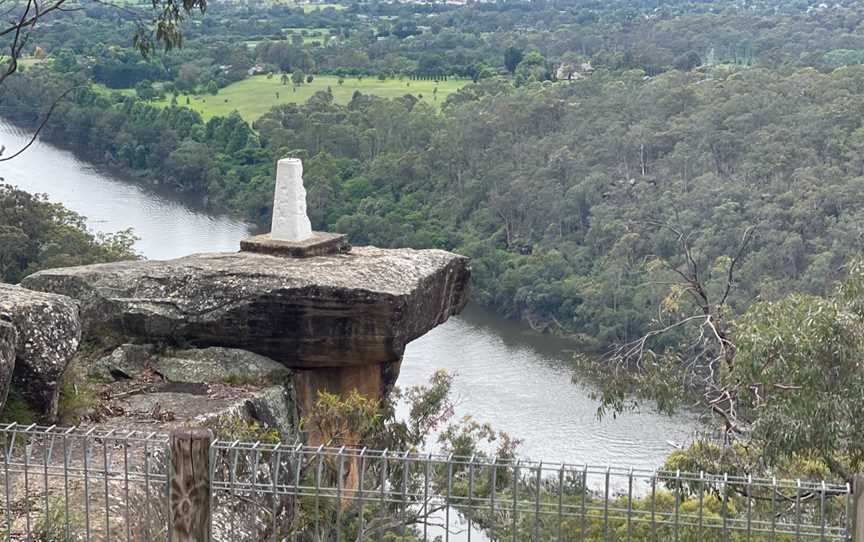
(606,504)
(773,509)
(254,481)
(515,501)
(317,477)
(798,510)
(45,448)
(447,500)
(340,473)
(822,513)
(189,491)
(494,484)
(426,499)
(537,503)
(277,464)
(147,531)
(212,477)
(470,494)
(584,522)
(382,514)
(561,503)
(677,501)
(855,508)
(749,496)
(233,480)
(105,485)
(724,511)
(126,488)
(405,467)
(360,493)
(66,452)
(27,446)
(298,454)
(8,481)
(630,506)
(701,501)
(7,452)
(654,507)
(86,447)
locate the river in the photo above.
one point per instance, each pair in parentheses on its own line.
(517,380)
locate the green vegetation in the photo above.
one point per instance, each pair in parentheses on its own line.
(310,35)
(256,95)
(36,234)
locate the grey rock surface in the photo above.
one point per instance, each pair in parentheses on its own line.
(218,364)
(49,332)
(162,410)
(328,311)
(8,344)
(125,361)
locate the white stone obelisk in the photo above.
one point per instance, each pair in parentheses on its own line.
(290,222)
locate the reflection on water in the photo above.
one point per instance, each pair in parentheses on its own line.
(521,382)
(507,375)
(167,227)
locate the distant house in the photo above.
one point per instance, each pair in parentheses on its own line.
(569,71)
(257,69)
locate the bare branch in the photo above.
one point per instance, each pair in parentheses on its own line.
(745,241)
(41,125)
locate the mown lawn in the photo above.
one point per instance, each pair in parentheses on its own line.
(255,96)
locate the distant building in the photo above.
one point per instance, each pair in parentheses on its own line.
(569,71)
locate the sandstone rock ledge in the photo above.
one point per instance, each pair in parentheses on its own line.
(341,310)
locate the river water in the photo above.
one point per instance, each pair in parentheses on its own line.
(517,380)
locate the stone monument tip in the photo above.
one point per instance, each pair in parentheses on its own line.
(291,233)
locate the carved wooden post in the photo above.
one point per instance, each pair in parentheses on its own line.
(858,508)
(190,485)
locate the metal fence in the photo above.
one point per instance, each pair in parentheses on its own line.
(76,484)
(83,484)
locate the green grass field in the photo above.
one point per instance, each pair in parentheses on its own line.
(255,96)
(310,35)
(27,62)
(309,8)
(306,7)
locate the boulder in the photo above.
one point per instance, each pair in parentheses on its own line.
(339,310)
(219,365)
(126,361)
(49,331)
(229,411)
(8,343)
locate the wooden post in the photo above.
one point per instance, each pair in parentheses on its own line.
(858,508)
(190,485)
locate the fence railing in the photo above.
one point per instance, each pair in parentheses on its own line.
(83,484)
(89,484)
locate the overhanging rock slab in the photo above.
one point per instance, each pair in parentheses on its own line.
(337,310)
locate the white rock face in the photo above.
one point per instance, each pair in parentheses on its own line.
(290,222)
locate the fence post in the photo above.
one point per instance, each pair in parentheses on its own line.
(858,508)
(190,485)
